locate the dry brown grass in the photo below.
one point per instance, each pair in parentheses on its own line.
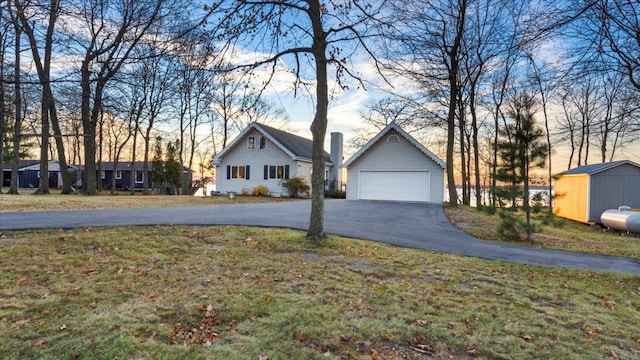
(555,233)
(228,292)
(28,202)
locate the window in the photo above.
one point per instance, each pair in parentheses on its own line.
(103,174)
(139,176)
(238,172)
(263,142)
(251,143)
(276,172)
(393,139)
(118,174)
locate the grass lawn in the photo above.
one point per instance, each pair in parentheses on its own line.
(556,233)
(28,202)
(242,293)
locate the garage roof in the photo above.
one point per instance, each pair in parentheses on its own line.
(596,168)
(404,134)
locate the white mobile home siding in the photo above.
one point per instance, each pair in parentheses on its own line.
(395,156)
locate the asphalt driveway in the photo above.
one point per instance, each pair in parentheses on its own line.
(411,225)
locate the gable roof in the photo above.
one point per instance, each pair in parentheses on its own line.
(297,147)
(404,134)
(22,163)
(596,168)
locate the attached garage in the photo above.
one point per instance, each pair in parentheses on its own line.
(393,166)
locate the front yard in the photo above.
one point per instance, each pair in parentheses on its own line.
(244,293)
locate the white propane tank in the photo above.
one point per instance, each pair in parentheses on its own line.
(621,220)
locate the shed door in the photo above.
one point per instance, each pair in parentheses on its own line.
(394,185)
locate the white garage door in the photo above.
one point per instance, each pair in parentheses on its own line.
(394,185)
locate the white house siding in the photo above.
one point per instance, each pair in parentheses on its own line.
(396,156)
(256,159)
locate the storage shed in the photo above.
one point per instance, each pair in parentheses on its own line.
(394,166)
(584,193)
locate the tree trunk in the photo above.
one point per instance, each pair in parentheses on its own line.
(15,165)
(319,125)
(476,155)
(43,187)
(89,129)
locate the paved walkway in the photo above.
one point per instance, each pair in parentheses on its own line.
(411,225)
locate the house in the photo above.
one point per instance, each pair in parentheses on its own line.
(262,155)
(29,173)
(584,193)
(395,166)
(122,173)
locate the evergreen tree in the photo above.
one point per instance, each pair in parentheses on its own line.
(158,171)
(522,147)
(172,165)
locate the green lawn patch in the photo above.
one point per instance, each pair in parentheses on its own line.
(241,293)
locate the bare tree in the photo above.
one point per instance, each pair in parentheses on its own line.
(43,66)
(112,31)
(303,31)
(4,34)
(427,36)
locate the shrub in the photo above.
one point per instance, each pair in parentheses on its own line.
(338,194)
(510,226)
(244,191)
(260,190)
(295,186)
(489,210)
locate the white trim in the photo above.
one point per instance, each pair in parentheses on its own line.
(118,174)
(136,176)
(404,134)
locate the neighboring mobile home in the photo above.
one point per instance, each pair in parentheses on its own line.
(395,166)
(262,155)
(584,193)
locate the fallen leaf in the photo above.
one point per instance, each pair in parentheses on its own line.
(267,298)
(300,336)
(346,338)
(473,352)
(21,280)
(418,339)
(527,337)
(421,323)
(46,312)
(260,357)
(202,307)
(614,354)
(374,355)
(63,327)
(41,343)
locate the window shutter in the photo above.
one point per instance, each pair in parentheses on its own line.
(228,172)
(266,172)
(286,171)
(247,172)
